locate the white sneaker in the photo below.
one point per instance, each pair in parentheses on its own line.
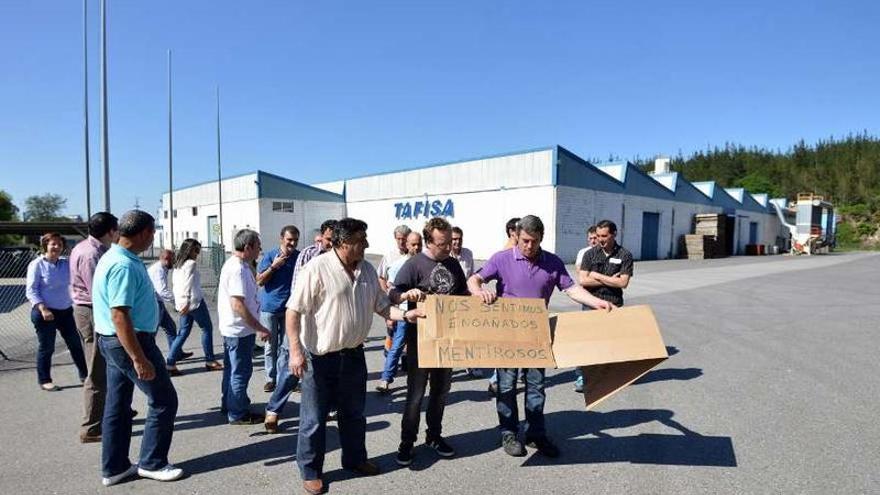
(128,473)
(167,473)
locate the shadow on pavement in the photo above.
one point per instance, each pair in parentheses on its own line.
(688,448)
(277,449)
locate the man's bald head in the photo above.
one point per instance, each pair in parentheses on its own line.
(166,257)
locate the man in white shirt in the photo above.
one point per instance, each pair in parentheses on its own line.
(592,240)
(463,255)
(238,309)
(398,338)
(158,272)
(329,313)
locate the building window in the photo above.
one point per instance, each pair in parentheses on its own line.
(175,213)
(282,206)
(165,214)
(195,235)
(195,211)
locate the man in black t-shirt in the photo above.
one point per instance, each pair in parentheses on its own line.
(432,271)
(607,268)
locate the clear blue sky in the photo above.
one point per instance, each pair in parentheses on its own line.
(317,91)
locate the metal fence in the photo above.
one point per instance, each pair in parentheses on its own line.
(17,336)
(18,341)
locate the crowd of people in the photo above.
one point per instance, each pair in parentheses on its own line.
(312,309)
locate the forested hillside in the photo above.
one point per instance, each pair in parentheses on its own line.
(845,170)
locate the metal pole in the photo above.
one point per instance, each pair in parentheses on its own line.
(105,150)
(170,163)
(86,109)
(219,178)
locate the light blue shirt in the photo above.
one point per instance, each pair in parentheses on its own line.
(49,283)
(121,280)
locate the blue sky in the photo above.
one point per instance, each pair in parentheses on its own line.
(317,91)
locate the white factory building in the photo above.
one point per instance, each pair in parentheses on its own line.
(258,200)
(652,210)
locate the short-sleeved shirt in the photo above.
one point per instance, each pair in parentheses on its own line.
(237,279)
(392,273)
(466,259)
(580,256)
(121,280)
(337,311)
(518,276)
(618,261)
(276,290)
(431,277)
(386,262)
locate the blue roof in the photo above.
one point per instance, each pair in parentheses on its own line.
(272,185)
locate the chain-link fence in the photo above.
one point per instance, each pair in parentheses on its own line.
(18,342)
(17,336)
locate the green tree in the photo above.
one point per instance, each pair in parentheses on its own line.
(43,208)
(8,211)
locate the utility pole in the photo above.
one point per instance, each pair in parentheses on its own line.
(86,109)
(170,165)
(219,177)
(105,148)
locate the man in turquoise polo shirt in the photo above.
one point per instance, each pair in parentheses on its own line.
(126,320)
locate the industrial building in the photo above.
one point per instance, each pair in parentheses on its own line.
(652,210)
(258,200)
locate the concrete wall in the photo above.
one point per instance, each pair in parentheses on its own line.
(577,209)
(307,216)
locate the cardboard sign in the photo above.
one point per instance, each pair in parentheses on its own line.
(463,332)
(613,348)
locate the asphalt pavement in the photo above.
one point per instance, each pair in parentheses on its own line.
(771,387)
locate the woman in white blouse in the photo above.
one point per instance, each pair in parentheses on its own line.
(189,301)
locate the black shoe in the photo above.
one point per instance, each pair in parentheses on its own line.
(249,419)
(405,453)
(493,390)
(544,446)
(439,444)
(185,355)
(512,446)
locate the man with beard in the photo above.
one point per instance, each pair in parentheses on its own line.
(433,271)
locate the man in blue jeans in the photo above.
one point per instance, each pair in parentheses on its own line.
(398,338)
(287,381)
(237,310)
(527,271)
(331,320)
(126,317)
(274,275)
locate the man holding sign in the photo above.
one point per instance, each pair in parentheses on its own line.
(527,271)
(433,271)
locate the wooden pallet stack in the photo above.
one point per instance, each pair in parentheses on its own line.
(698,247)
(709,239)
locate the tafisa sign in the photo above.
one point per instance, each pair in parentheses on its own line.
(424,209)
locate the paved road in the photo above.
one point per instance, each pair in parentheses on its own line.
(772,388)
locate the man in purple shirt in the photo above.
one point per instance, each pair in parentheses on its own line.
(527,271)
(83,259)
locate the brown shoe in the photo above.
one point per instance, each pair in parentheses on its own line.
(271,423)
(313,487)
(89,438)
(213,366)
(366,468)
(269,387)
(173,371)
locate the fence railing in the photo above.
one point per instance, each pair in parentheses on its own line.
(17,337)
